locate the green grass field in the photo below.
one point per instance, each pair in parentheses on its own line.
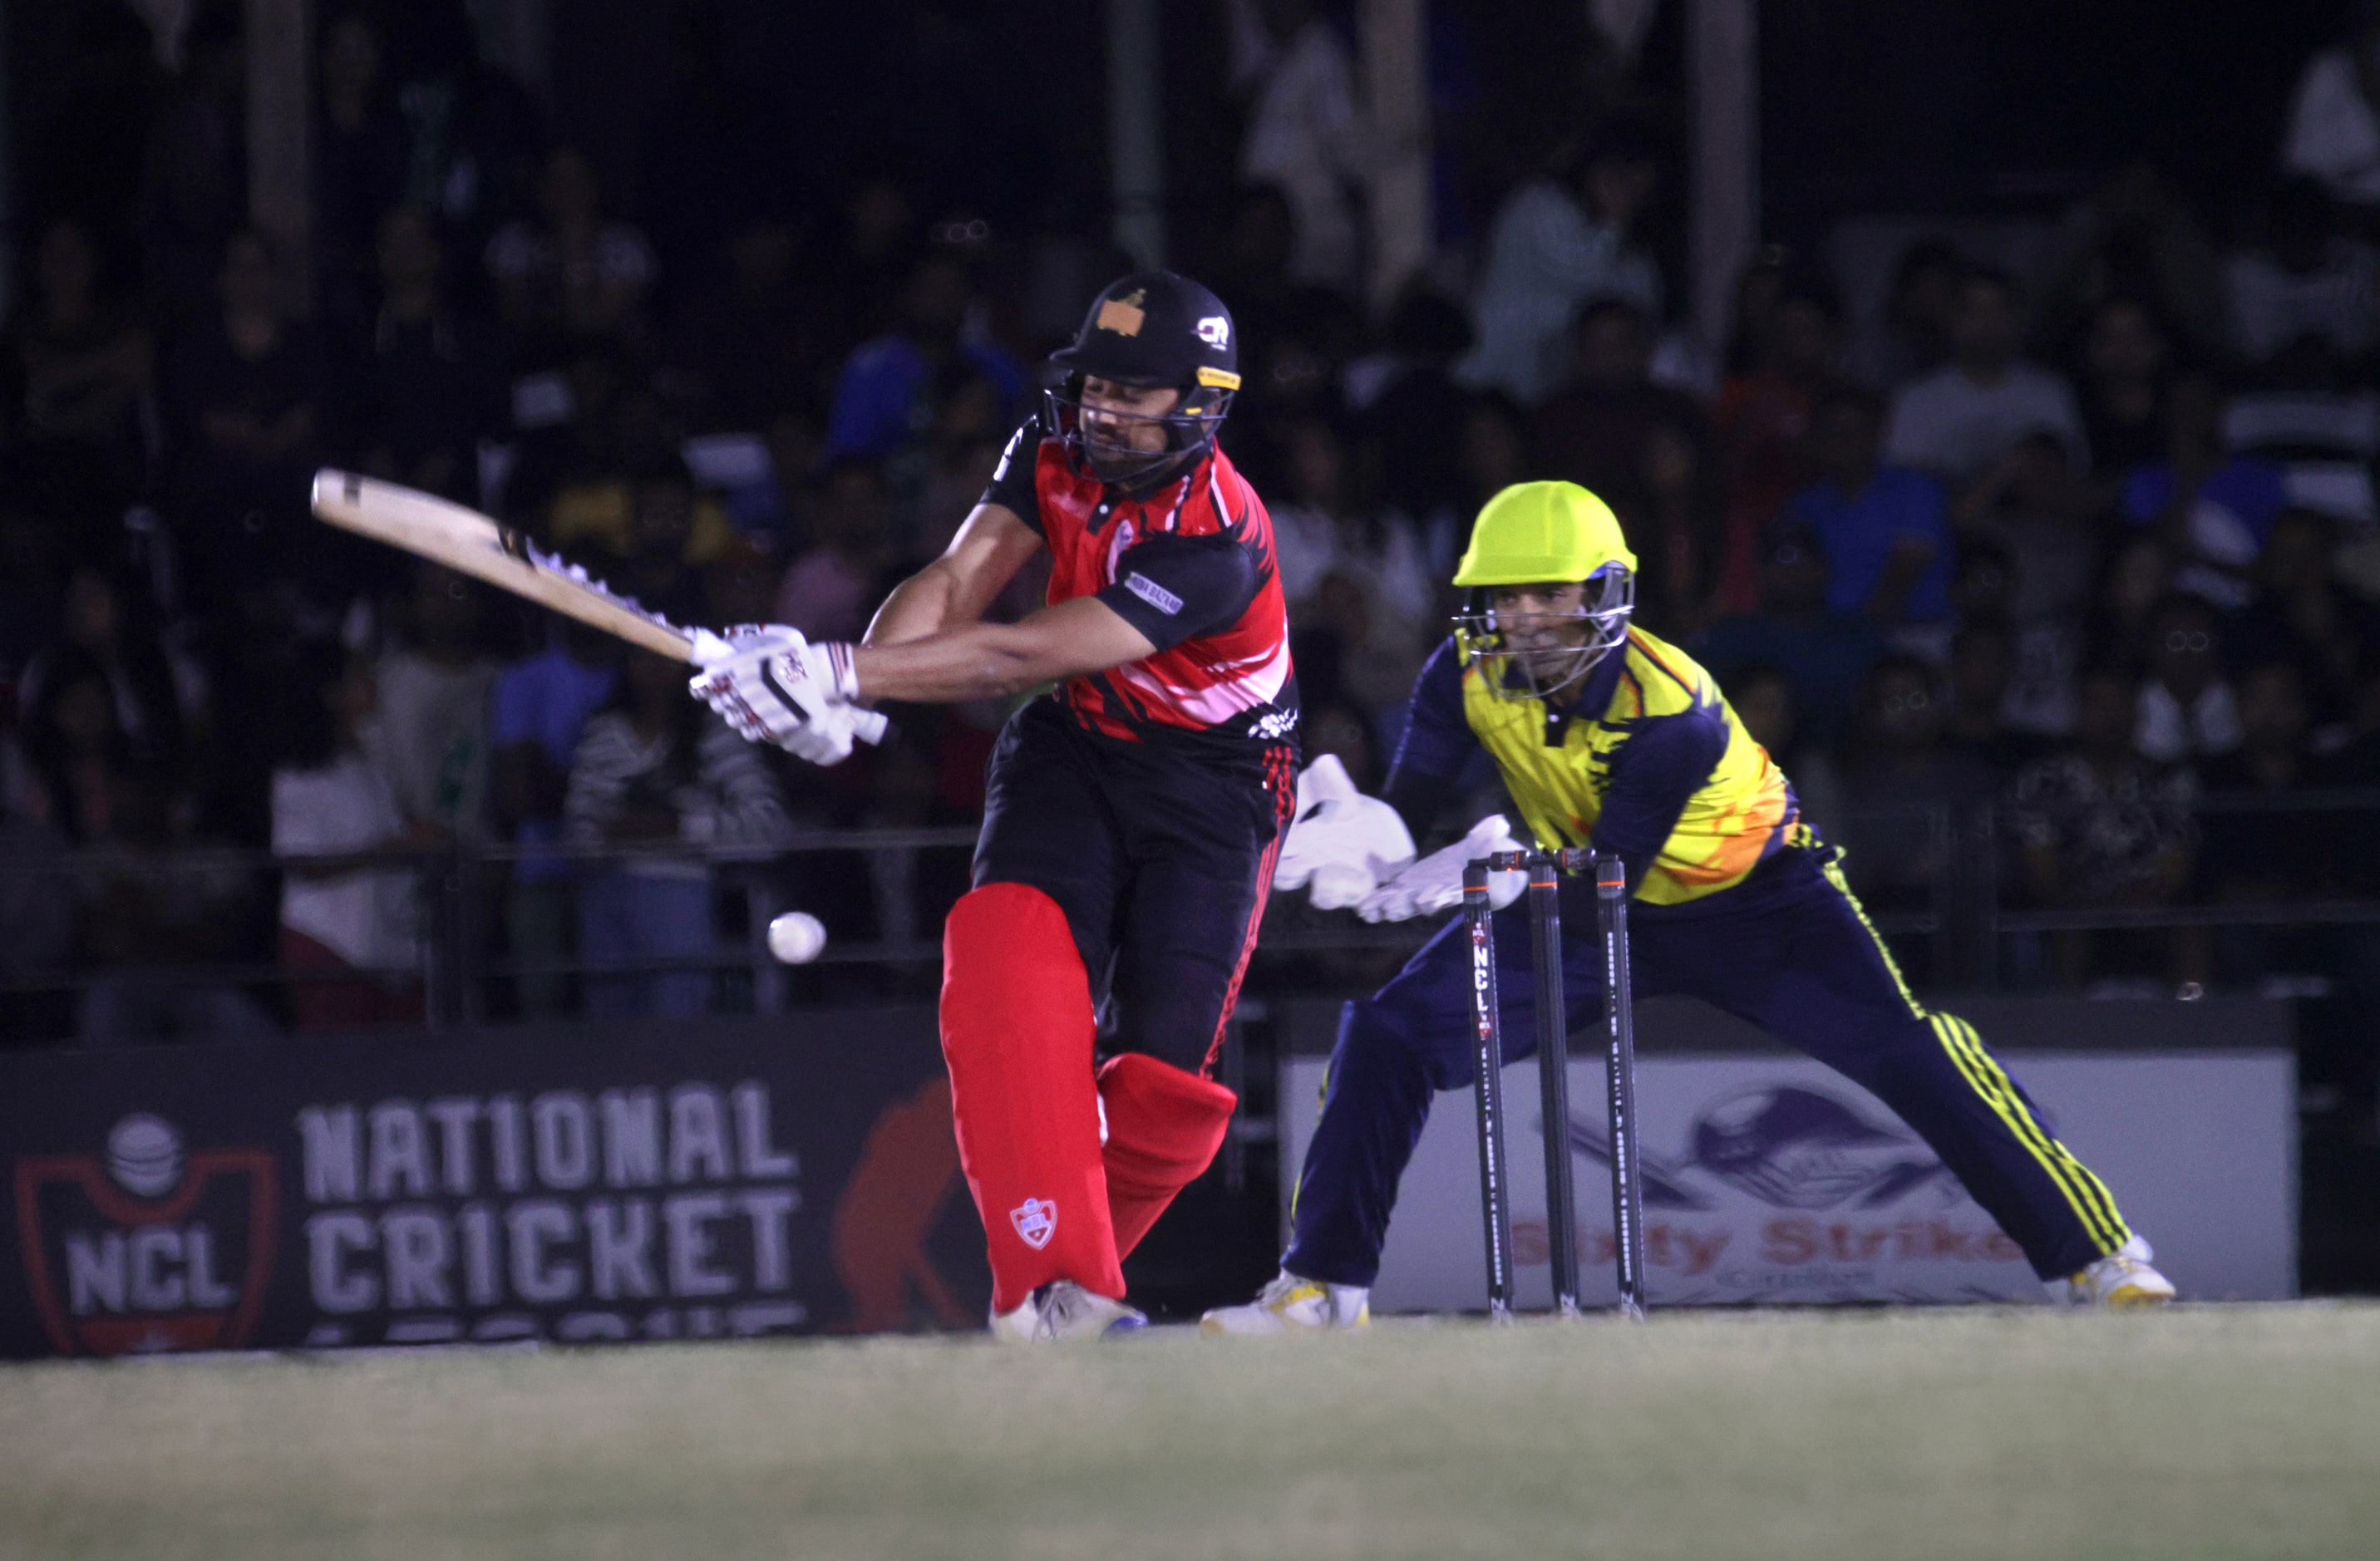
(2205,1432)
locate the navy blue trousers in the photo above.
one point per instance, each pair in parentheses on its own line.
(1790,951)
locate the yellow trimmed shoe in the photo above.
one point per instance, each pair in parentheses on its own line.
(2122,1281)
(1292,1305)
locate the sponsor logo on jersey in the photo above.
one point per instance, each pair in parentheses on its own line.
(1214,331)
(1123,315)
(1157,596)
(1274,727)
(1036,1220)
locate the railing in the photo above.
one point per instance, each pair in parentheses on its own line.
(1960,917)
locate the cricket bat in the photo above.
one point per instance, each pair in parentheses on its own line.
(471,543)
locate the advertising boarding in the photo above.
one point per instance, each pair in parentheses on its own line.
(1773,1180)
(727,1178)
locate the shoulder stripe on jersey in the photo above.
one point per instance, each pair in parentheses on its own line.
(1636,643)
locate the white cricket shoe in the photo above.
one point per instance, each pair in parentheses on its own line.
(1062,1311)
(1291,1305)
(2122,1281)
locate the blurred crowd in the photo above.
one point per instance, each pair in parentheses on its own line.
(2065,578)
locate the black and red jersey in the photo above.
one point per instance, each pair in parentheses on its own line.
(1190,564)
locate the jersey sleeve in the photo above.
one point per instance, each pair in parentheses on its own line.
(1664,763)
(1173,587)
(1012,484)
(1436,742)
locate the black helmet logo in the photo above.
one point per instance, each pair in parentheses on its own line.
(1216,331)
(1123,315)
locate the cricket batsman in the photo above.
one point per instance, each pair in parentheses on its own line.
(1609,739)
(1133,814)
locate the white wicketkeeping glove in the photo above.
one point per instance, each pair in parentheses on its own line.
(772,686)
(1435,882)
(1341,842)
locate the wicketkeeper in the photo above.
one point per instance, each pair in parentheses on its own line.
(1609,739)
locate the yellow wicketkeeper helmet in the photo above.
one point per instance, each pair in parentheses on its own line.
(1540,534)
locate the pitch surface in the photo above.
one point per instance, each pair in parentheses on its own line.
(2229,1431)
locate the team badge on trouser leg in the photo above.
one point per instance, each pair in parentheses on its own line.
(1017,1034)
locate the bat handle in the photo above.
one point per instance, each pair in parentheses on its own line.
(870,727)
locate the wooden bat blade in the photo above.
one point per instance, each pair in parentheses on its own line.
(471,543)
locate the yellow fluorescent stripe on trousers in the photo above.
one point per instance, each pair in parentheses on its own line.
(1833,868)
(2084,1193)
(2109,1228)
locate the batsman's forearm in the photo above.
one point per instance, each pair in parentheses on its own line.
(979,662)
(918,606)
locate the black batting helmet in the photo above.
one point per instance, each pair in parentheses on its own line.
(1153,329)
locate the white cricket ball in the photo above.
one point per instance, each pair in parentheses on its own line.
(796,937)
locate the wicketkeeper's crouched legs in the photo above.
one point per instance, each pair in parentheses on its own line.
(1809,969)
(1017,1030)
(1396,1050)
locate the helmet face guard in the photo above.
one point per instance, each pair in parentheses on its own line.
(1189,431)
(1529,662)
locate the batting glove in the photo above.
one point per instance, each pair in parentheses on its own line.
(1341,842)
(772,686)
(1435,882)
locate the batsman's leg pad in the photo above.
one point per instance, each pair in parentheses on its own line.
(1164,1126)
(1017,1030)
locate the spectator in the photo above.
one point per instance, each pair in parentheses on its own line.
(2134,239)
(831,591)
(78,367)
(425,384)
(2212,509)
(2307,280)
(349,931)
(1956,420)
(194,194)
(883,401)
(538,710)
(1413,419)
(2334,131)
(1763,696)
(1560,242)
(1293,334)
(80,760)
(572,273)
(1825,655)
(431,736)
(2255,855)
(1322,528)
(37,903)
(2036,510)
(1646,451)
(1881,527)
(2187,708)
(654,768)
(143,690)
(360,153)
(1762,419)
(1908,795)
(2136,576)
(754,346)
(1917,312)
(2301,613)
(244,401)
(1306,135)
(2126,358)
(2098,824)
(1982,669)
